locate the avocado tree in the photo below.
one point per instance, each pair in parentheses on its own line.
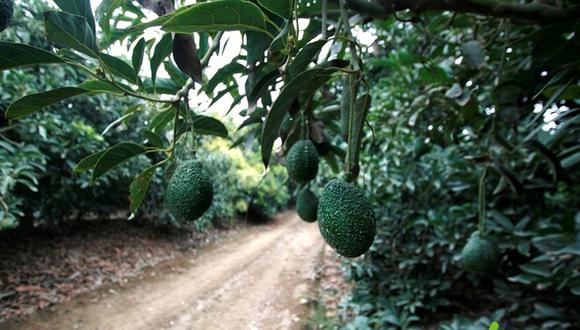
(310,78)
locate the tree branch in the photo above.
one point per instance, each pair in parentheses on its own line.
(532,12)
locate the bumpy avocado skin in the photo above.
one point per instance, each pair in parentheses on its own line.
(480,254)
(307,205)
(302,161)
(6,11)
(346,219)
(190,191)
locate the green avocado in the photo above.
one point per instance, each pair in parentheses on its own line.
(190,191)
(302,161)
(6,11)
(480,254)
(346,219)
(307,205)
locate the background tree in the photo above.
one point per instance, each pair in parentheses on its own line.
(461,115)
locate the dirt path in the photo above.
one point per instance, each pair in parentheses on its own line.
(257,280)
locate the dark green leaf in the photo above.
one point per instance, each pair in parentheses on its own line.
(154,139)
(221,15)
(162,50)
(256,45)
(209,126)
(70,31)
(116,155)
(139,187)
(571,160)
(13,55)
(99,86)
(104,12)
(304,58)
(174,73)
(138,54)
(119,67)
(282,8)
(35,102)
(261,86)
(510,176)
(569,93)
(89,162)
(549,156)
(80,8)
(223,75)
(303,85)
(160,121)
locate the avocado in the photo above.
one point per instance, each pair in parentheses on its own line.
(302,161)
(307,205)
(346,219)
(190,191)
(6,11)
(480,254)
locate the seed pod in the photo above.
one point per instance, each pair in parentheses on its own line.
(185,56)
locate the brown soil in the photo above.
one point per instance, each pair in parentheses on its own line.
(260,278)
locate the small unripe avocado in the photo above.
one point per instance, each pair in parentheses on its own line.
(480,254)
(302,161)
(6,11)
(307,205)
(190,191)
(346,219)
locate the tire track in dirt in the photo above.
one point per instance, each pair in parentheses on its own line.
(255,281)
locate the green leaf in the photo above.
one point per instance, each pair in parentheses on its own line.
(174,73)
(70,31)
(304,58)
(13,55)
(256,46)
(137,57)
(433,74)
(538,270)
(119,67)
(223,75)
(99,86)
(303,86)
(104,12)
(162,50)
(139,186)
(116,155)
(570,249)
(549,156)
(524,279)
(154,139)
(473,53)
(221,15)
(35,102)
(282,8)
(117,122)
(280,41)
(209,126)
(569,93)
(261,86)
(88,162)
(510,176)
(160,121)
(571,160)
(80,8)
